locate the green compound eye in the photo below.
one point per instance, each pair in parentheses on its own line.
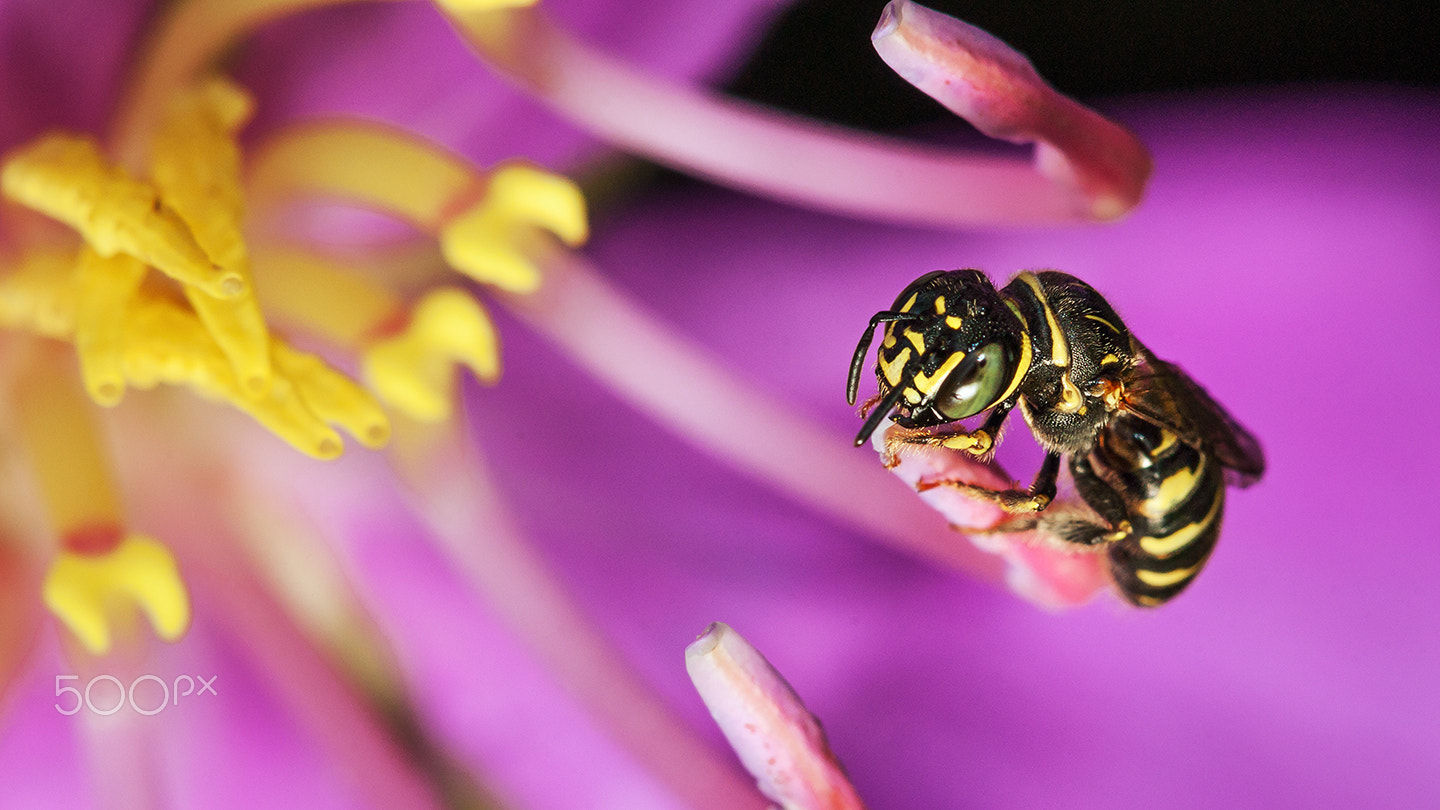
(973,386)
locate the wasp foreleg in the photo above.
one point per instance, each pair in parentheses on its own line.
(1035,499)
(979,442)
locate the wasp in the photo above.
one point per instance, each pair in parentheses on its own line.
(1150,452)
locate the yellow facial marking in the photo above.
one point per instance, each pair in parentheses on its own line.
(1106,323)
(889,341)
(894,366)
(1173,490)
(1026,354)
(927,385)
(1109,360)
(910,303)
(953,321)
(912,396)
(940,305)
(1165,546)
(916,340)
(1158,579)
(1071,401)
(1059,347)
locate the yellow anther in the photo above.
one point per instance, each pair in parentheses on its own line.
(322,296)
(283,412)
(66,177)
(38,295)
(167,344)
(414,371)
(85,591)
(494,242)
(196,166)
(238,327)
(334,397)
(104,289)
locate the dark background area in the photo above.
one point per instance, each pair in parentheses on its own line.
(817,59)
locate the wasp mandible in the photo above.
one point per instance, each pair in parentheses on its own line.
(1151,453)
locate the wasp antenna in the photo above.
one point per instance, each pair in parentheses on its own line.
(882,410)
(857,361)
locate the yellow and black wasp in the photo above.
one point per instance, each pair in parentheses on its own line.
(1150,451)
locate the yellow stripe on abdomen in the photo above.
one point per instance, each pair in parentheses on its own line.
(1166,546)
(1161,579)
(1173,491)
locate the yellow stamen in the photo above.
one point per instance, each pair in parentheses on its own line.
(65,449)
(414,371)
(85,590)
(491,242)
(368,164)
(66,177)
(322,296)
(333,397)
(167,344)
(196,166)
(104,289)
(93,574)
(487,224)
(38,295)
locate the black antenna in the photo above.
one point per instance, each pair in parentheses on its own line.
(882,410)
(852,383)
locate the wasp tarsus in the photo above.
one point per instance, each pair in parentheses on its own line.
(1151,453)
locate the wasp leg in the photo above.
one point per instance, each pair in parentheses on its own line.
(1035,499)
(977,442)
(1082,528)
(1103,498)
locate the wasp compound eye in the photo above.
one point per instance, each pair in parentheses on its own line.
(975,385)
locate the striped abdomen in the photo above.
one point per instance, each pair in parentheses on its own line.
(1174,495)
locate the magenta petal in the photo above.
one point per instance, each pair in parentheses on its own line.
(61,63)
(403,64)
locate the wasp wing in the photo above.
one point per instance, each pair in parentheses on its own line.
(1163,394)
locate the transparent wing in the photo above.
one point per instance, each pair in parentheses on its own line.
(1163,394)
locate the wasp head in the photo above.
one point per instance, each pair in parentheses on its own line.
(951,349)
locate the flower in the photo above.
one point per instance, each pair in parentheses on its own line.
(647,533)
(165,192)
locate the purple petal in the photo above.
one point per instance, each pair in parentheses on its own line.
(402,63)
(63,63)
